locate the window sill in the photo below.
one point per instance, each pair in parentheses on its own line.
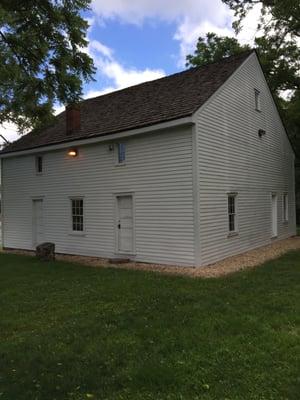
(120,164)
(232,234)
(74,233)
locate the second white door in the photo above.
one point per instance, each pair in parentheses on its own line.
(274,215)
(125,231)
(38,222)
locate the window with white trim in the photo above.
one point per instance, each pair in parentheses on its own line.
(232,219)
(121,156)
(77,215)
(257,98)
(285,207)
(39,164)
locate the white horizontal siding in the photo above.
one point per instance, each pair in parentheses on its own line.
(158,170)
(232,157)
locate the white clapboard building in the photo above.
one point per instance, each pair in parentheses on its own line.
(187,169)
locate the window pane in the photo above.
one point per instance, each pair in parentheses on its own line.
(231,213)
(231,223)
(231,204)
(39,164)
(77,214)
(121,152)
(257,99)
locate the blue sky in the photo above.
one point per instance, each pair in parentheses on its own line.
(132,41)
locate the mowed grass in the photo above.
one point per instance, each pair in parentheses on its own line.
(73,332)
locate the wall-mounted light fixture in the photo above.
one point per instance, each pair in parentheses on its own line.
(111,147)
(261,132)
(72,152)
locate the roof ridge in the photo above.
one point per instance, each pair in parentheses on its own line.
(192,69)
(148,103)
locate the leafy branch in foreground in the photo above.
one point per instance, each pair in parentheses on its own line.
(42,58)
(282,17)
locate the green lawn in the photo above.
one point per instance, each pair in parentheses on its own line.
(72,332)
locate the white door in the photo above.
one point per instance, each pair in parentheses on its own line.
(38,222)
(125,224)
(274,215)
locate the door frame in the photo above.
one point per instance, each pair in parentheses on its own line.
(116,219)
(274,234)
(33,230)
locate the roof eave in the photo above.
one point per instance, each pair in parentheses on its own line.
(178,122)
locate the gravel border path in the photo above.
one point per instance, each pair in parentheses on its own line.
(250,259)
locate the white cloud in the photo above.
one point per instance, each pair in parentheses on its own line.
(9,131)
(119,75)
(136,11)
(91,22)
(188,34)
(124,77)
(94,93)
(58,109)
(100,48)
(193,18)
(249,26)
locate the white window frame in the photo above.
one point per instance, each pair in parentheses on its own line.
(257,99)
(72,231)
(37,164)
(234,232)
(285,207)
(118,162)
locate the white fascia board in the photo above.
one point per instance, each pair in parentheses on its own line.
(105,138)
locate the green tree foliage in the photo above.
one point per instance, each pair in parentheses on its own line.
(42,58)
(279,17)
(278,49)
(214,48)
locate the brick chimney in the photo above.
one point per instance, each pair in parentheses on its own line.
(72,118)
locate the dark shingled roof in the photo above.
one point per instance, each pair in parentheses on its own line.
(149,103)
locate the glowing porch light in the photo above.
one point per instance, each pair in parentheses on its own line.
(72,153)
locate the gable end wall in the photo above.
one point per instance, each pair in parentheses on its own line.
(232,157)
